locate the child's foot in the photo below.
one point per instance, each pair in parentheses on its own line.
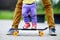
(26,26)
(11,31)
(34,26)
(52,31)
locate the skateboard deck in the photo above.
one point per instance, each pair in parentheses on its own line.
(32,29)
(41,33)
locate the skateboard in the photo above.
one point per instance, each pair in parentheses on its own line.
(41,33)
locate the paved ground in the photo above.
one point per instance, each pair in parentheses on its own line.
(26,35)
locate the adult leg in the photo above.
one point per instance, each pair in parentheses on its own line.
(49,14)
(17,17)
(17,14)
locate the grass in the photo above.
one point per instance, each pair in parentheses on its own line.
(56,11)
(6,14)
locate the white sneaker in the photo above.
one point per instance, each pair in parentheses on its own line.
(52,31)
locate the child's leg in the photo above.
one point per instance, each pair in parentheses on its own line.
(33,15)
(25,10)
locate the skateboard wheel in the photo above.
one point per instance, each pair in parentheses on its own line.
(15,33)
(41,33)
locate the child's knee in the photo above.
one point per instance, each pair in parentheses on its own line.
(24,15)
(33,15)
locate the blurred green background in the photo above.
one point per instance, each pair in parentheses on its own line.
(7,8)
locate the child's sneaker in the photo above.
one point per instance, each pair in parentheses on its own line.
(11,31)
(52,31)
(34,26)
(26,26)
